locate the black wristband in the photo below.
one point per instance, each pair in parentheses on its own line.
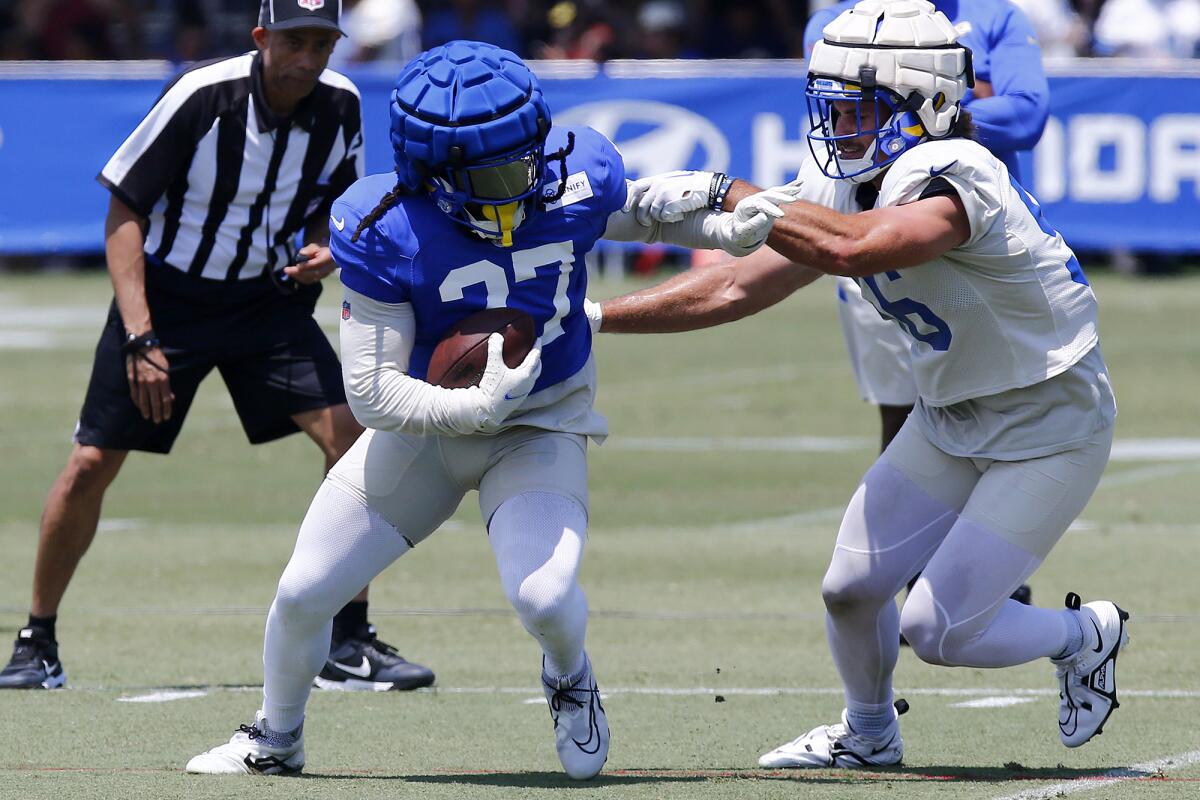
(136,343)
(718,190)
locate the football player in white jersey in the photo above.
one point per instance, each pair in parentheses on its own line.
(1013,423)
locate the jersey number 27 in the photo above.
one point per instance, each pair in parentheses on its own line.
(541,261)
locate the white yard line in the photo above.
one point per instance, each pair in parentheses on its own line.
(1146,769)
(164,696)
(1151,473)
(994,702)
(745,444)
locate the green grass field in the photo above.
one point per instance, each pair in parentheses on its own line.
(714,507)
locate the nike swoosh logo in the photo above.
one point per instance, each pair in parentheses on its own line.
(508,396)
(340,224)
(1099,639)
(362,670)
(933,173)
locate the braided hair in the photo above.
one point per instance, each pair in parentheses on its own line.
(385,202)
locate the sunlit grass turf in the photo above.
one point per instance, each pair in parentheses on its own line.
(702,574)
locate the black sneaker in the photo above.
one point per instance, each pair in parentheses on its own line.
(362,663)
(34,664)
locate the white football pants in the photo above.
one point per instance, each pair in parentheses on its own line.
(975,529)
(537,538)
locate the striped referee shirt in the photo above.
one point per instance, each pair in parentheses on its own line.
(225,183)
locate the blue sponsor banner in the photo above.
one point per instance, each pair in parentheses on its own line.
(1118,166)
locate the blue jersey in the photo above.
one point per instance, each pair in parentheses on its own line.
(1005,53)
(416,254)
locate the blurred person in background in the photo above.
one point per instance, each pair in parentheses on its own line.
(378,30)
(200,242)
(579,29)
(756,29)
(663,30)
(70,30)
(1148,28)
(1060,30)
(479,20)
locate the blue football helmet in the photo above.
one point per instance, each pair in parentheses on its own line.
(469,126)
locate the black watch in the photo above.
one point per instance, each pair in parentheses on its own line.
(139,342)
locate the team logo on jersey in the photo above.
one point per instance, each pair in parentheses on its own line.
(311,5)
(345,309)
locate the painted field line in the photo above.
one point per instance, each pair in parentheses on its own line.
(744,444)
(1152,473)
(775,691)
(986,693)
(788,522)
(1147,769)
(164,696)
(994,702)
(1170,450)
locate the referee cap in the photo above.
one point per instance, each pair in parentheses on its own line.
(275,15)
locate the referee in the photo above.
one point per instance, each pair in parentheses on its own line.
(236,159)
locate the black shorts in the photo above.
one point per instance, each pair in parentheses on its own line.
(274,358)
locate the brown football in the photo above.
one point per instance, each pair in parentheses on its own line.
(461,356)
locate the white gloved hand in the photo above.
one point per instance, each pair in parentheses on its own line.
(746,229)
(502,389)
(594,314)
(668,197)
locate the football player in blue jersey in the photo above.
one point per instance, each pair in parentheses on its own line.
(488,207)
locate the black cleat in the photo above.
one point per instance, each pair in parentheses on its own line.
(362,663)
(34,664)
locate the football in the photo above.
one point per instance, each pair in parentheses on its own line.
(461,356)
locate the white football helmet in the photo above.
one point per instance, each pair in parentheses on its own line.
(903,58)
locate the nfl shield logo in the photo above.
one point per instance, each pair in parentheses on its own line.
(311,5)
(345,309)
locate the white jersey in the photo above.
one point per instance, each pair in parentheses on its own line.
(1010,307)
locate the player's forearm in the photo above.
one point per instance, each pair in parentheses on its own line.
(376,341)
(708,296)
(823,239)
(848,245)
(123,248)
(389,400)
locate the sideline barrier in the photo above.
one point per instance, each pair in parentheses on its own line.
(1118,166)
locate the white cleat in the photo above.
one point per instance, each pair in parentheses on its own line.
(254,750)
(1087,680)
(580,724)
(837,745)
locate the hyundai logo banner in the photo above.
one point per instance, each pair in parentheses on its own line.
(1118,166)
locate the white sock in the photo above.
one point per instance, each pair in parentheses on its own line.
(869,720)
(341,547)
(537,538)
(1074,635)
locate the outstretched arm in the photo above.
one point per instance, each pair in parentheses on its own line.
(869,242)
(706,296)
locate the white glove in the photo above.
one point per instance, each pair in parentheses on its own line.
(746,229)
(502,390)
(594,314)
(667,197)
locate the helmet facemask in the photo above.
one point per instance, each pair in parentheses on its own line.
(491,197)
(889,118)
